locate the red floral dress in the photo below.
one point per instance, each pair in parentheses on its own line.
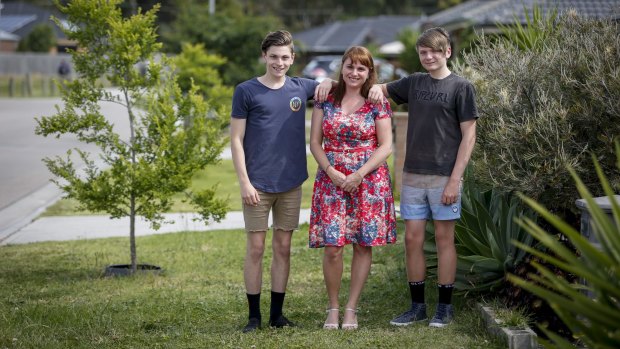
(367,216)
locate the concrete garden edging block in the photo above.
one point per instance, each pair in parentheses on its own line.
(516,338)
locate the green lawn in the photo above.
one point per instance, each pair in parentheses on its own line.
(223,175)
(53,295)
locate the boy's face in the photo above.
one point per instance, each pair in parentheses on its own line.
(433,60)
(278,60)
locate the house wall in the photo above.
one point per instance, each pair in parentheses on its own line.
(8,46)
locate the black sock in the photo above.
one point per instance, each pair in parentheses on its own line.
(254,304)
(445,293)
(416,288)
(277,300)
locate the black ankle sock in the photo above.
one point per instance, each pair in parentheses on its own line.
(416,289)
(254,304)
(445,293)
(277,301)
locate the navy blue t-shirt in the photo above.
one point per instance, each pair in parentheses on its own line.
(275,132)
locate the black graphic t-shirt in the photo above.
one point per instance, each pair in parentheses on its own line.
(436,110)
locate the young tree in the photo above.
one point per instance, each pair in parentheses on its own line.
(171,135)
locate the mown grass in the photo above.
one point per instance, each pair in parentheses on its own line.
(54,295)
(222,174)
(34,85)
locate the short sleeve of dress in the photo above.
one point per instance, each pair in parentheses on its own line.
(384,110)
(329,100)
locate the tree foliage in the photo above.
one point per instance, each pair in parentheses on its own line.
(198,68)
(409,59)
(545,108)
(171,137)
(40,39)
(228,33)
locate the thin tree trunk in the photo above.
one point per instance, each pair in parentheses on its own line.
(132,197)
(132,233)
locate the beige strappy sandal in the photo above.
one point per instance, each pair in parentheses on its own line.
(331,326)
(350,326)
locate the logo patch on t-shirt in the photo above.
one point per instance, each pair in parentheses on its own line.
(295,103)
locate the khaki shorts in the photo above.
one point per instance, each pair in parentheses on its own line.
(285,211)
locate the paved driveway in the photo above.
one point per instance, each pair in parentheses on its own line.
(25,189)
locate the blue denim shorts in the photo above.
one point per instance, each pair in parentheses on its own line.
(422,200)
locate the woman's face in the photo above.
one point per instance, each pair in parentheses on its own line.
(354,74)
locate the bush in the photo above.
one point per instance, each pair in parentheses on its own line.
(593,319)
(40,39)
(545,108)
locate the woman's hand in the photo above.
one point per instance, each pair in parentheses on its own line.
(336,176)
(351,182)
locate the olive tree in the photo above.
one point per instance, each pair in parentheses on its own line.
(172,135)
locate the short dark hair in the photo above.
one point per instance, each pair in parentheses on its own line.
(435,38)
(278,38)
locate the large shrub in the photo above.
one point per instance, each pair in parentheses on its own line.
(592,316)
(41,39)
(547,107)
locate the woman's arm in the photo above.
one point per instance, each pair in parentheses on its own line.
(316,147)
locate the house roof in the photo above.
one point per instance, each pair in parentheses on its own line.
(19,18)
(489,12)
(5,36)
(11,23)
(337,36)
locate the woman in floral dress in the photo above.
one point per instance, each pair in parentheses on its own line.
(352,202)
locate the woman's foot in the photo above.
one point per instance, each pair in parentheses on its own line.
(331,323)
(350,319)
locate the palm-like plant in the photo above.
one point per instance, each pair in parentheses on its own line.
(593,319)
(483,239)
(537,28)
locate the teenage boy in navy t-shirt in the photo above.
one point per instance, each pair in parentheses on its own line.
(267,132)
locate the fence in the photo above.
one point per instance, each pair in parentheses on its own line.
(20,64)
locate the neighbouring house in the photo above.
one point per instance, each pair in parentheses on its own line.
(18,18)
(484,15)
(334,38)
(8,41)
(382,31)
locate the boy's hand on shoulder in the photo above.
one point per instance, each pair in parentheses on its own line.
(375,94)
(322,90)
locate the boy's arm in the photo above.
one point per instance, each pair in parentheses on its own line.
(377,92)
(249,195)
(451,192)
